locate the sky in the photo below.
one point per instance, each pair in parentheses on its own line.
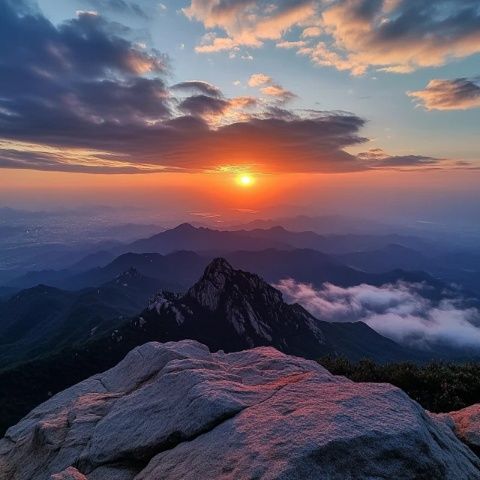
(365,106)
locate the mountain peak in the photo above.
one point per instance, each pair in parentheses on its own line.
(184,227)
(218,266)
(209,288)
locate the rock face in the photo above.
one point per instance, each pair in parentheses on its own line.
(466,424)
(177,411)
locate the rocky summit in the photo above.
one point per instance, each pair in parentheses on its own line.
(233,310)
(176,411)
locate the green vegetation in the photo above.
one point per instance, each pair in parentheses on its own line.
(437,386)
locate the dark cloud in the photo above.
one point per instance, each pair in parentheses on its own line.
(55,81)
(274,144)
(378,158)
(457,94)
(196,86)
(86,46)
(202,105)
(408,161)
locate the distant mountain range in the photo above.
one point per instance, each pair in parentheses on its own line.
(323,224)
(176,271)
(460,267)
(200,239)
(43,320)
(319,257)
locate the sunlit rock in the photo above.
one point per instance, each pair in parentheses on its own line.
(177,411)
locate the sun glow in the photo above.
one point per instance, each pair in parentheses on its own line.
(245,180)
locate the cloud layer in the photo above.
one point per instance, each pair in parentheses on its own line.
(398,311)
(392,35)
(85,89)
(457,94)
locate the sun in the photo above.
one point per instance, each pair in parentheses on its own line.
(245,180)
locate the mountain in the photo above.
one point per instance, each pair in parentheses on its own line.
(52,278)
(93,260)
(208,243)
(175,271)
(311,266)
(324,225)
(42,320)
(188,237)
(231,310)
(176,411)
(460,267)
(201,239)
(338,243)
(390,257)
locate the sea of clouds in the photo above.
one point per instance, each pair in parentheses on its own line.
(398,311)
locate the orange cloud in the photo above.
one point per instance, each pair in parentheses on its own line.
(259,79)
(247,23)
(457,94)
(397,36)
(270,88)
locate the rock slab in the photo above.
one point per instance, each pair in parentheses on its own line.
(177,411)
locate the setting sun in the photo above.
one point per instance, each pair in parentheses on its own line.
(245,180)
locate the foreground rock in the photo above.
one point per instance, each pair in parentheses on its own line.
(466,424)
(176,411)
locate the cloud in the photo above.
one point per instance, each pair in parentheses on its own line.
(259,79)
(209,103)
(270,88)
(118,6)
(278,92)
(397,311)
(203,105)
(311,32)
(290,45)
(376,158)
(321,54)
(402,36)
(246,22)
(84,88)
(392,35)
(198,86)
(457,94)
(213,44)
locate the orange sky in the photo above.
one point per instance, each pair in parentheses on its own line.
(220,192)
